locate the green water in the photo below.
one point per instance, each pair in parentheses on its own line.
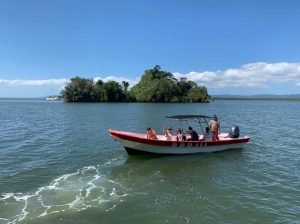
(58,164)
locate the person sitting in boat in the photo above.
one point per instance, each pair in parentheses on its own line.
(180,136)
(207,135)
(214,126)
(151,134)
(193,134)
(168,134)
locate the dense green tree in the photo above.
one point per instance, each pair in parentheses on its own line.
(198,94)
(155,86)
(78,90)
(99,91)
(125,85)
(113,92)
(160,86)
(84,90)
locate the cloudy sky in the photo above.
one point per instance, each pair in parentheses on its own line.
(231,47)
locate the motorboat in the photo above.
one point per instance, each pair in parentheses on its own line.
(138,143)
(53,98)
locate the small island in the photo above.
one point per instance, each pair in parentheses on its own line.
(155,86)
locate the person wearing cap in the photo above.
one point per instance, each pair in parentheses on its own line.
(168,134)
(214,126)
(151,134)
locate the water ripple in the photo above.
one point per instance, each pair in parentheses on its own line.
(58,164)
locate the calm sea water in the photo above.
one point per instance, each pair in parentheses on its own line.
(58,164)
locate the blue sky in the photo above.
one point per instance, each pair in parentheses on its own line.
(232,47)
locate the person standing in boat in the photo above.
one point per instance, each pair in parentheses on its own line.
(214,126)
(151,134)
(193,134)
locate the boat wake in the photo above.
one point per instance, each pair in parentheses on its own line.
(86,188)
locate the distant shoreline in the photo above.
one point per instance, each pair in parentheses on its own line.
(256,98)
(213,99)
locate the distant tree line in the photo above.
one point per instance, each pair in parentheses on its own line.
(154,86)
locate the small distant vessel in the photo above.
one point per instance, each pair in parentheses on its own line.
(53,98)
(137,143)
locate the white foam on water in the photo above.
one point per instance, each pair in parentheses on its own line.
(109,209)
(44,213)
(109,162)
(113,192)
(187,220)
(114,182)
(77,203)
(77,191)
(17,197)
(6,196)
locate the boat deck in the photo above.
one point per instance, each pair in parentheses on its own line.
(222,136)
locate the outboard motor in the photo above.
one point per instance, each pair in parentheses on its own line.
(234,132)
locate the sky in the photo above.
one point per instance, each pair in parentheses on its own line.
(229,46)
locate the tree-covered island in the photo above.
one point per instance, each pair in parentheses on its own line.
(154,86)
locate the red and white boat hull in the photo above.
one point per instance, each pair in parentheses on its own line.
(136,143)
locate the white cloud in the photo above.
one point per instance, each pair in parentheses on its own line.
(254,75)
(258,74)
(131,82)
(63,82)
(45,82)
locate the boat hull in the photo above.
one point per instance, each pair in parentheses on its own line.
(135,144)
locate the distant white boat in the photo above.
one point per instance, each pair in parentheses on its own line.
(52,98)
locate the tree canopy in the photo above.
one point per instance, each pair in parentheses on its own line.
(160,86)
(155,86)
(85,90)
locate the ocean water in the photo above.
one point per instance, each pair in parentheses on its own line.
(58,164)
